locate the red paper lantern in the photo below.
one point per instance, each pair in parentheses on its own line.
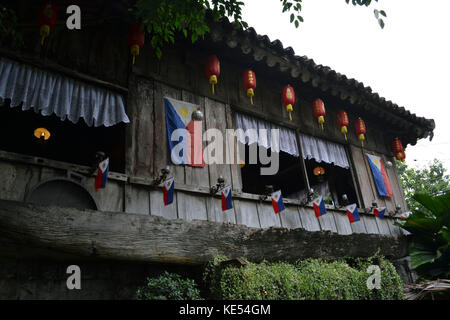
(48,15)
(136,38)
(212,70)
(288,99)
(399,151)
(250,83)
(343,122)
(360,130)
(319,111)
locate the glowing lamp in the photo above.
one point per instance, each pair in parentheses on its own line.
(319,171)
(42,133)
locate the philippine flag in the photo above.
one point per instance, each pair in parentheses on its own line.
(406,215)
(379,212)
(319,207)
(380,176)
(277,201)
(168,189)
(102,174)
(226,198)
(187,147)
(352,213)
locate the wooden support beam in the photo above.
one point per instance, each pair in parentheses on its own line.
(43,232)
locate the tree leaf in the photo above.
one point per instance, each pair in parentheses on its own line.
(420,255)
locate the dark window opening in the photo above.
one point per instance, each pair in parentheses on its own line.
(69,142)
(332,184)
(288,179)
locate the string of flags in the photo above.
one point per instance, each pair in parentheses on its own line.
(227,203)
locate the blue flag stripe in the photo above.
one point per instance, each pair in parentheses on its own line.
(378,178)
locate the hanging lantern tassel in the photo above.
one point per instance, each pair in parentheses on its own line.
(361,138)
(319,111)
(45,32)
(48,15)
(212,70)
(321,121)
(250,94)
(344,131)
(249,83)
(136,38)
(289,109)
(134,52)
(213,81)
(288,99)
(360,130)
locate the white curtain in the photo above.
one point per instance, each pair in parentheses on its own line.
(255,130)
(324,151)
(49,93)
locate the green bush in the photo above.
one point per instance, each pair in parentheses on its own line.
(168,286)
(309,279)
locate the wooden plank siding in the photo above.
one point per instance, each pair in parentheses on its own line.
(180,75)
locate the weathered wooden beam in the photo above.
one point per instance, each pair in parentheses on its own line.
(134,237)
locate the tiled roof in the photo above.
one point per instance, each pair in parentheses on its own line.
(323,77)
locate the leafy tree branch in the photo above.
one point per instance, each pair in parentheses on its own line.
(165,18)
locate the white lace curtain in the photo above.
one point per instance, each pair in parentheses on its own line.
(324,151)
(257,134)
(49,93)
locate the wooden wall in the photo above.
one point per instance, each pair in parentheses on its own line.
(21,177)
(180,75)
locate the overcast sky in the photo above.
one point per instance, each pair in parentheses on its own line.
(407,62)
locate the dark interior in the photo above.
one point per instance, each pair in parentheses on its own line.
(69,142)
(339,181)
(289,178)
(290,181)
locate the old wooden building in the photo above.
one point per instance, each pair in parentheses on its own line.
(82,87)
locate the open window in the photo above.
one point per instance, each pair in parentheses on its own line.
(328,170)
(40,113)
(257,137)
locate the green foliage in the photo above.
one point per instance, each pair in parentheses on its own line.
(165,18)
(8,28)
(168,286)
(430,233)
(305,280)
(431,180)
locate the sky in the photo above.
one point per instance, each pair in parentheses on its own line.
(407,62)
